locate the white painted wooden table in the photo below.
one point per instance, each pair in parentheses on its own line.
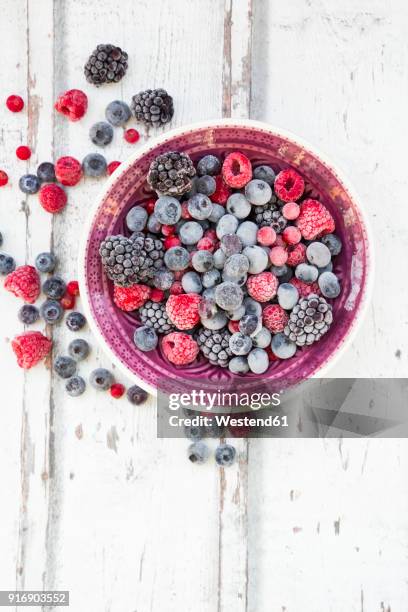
(91,500)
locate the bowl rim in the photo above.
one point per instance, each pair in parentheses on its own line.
(151,143)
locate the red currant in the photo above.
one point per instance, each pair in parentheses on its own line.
(131,135)
(117,390)
(3,178)
(73,288)
(15,103)
(112,167)
(23,152)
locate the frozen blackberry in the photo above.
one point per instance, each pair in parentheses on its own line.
(153,314)
(171,173)
(215,346)
(106,64)
(271,215)
(309,320)
(129,261)
(153,107)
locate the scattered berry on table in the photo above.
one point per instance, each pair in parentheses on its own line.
(262,287)
(314,220)
(130,298)
(153,107)
(182,310)
(236,170)
(7,263)
(51,311)
(64,366)
(46,172)
(329,285)
(222,191)
(167,210)
(29,184)
(46,262)
(274,318)
(225,455)
(73,104)
(106,64)
(28,314)
(3,178)
(117,113)
(258,361)
(73,288)
(179,348)
(67,301)
(206,185)
(131,135)
(309,320)
(265,173)
(78,349)
(289,185)
(117,390)
(23,152)
(215,346)
(52,198)
(112,167)
(258,192)
(136,395)
(94,164)
(145,338)
(198,452)
(68,171)
(54,287)
(24,282)
(101,379)
(30,348)
(282,346)
(333,243)
(75,386)
(101,133)
(75,321)
(171,173)
(291,211)
(14,103)
(208,165)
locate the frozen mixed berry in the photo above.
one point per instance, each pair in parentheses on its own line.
(167,210)
(101,134)
(247,231)
(131,135)
(257,258)
(274,318)
(28,314)
(228,224)
(191,282)
(225,455)
(258,192)
(52,198)
(291,235)
(72,104)
(190,233)
(262,339)
(117,390)
(266,236)
(136,219)
(228,296)
(306,273)
(238,365)
(67,301)
(131,298)
(45,262)
(23,152)
(51,311)
(14,103)
(54,287)
(179,348)
(222,191)
(182,310)
(163,279)
(200,206)
(64,366)
(296,255)
(101,379)
(46,172)
(289,185)
(303,288)
(136,395)
(209,165)
(236,170)
(240,344)
(112,167)
(287,295)
(262,287)
(94,164)
(318,254)
(117,113)
(153,107)
(73,288)
(7,263)
(75,321)
(238,205)
(205,184)
(75,386)
(258,361)
(24,283)
(283,347)
(78,349)
(157,295)
(68,171)
(145,338)
(333,243)
(3,178)
(170,242)
(314,220)
(265,173)
(329,285)
(291,211)
(106,64)
(30,348)
(29,184)
(278,256)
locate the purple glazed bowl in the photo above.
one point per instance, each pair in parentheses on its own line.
(263,145)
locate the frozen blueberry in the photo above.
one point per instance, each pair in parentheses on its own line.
(280,271)
(306,273)
(75,321)
(194,432)
(252,307)
(287,295)
(247,231)
(238,365)
(7,263)
(236,266)
(29,183)
(200,206)
(163,279)
(333,243)
(258,192)
(211,278)
(248,324)
(94,164)
(101,133)
(54,287)
(318,254)
(136,395)
(51,311)
(65,367)
(225,455)
(46,172)
(238,205)
(28,314)
(217,212)
(101,379)
(153,224)
(191,282)
(262,339)
(191,232)
(209,164)
(167,210)
(145,338)
(177,258)
(198,452)
(45,262)
(205,184)
(75,386)
(218,321)
(240,344)
(117,113)
(329,285)
(202,261)
(258,361)
(219,259)
(136,219)
(257,257)
(282,346)
(228,224)
(228,296)
(78,349)
(207,308)
(237,314)
(231,244)
(265,173)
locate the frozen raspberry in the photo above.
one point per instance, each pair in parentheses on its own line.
(266,236)
(130,298)
(73,288)
(30,348)
(171,241)
(24,283)
(222,191)
(52,198)
(291,235)
(117,390)
(304,289)
(112,167)
(179,348)
(168,230)
(289,185)
(131,135)
(271,354)
(291,211)
(278,256)
(176,288)
(274,318)
(262,287)
(68,171)
(183,310)
(236,170)
(72,104)
(314,220)
(67,301)
(211,233)
(206,244)
(297,255)
(233,326)
(23,152)
(15,104)
(156,295)
(3,178)
(149,206)
(185,213)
